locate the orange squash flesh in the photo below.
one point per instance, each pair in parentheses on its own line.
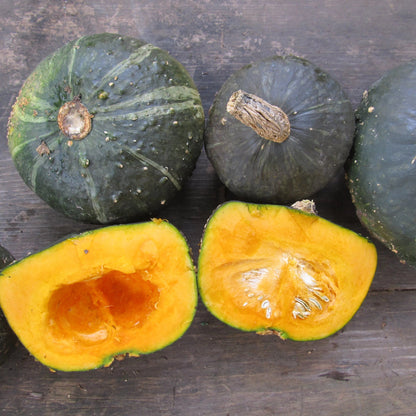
(269,268)
(116,290)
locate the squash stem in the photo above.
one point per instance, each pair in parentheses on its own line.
(267,120)
(74,120)
(305,205)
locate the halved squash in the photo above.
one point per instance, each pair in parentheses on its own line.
(274,269)
(115,290)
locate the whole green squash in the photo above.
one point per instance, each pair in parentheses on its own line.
(107,128)
(278,130)
(382,169)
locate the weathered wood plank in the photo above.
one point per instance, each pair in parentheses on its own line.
(369,367)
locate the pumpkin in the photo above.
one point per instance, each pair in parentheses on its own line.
(117,290)
(107,129)
(381,171)
(274,269)
(278,130)
(7,336)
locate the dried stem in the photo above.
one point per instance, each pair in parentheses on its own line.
(74,120)
(267,120)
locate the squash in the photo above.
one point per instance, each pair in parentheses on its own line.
(7,336)
(381,171)
(278,130)
(117,290)
(278,270)
(107,129)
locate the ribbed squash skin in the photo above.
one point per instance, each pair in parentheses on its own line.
(322,127)
(7,337)
(275,269)
(117,290)
(382,170)
(147,129)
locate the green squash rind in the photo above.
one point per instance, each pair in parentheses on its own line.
(322,128)
(108,359)
(8,338)
(147,129)
(381,172)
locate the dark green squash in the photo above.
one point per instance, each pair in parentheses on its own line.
(295,132)
(107,129)
(382,170)
(8,338)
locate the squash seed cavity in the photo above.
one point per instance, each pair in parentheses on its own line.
(283,284)
(101,308)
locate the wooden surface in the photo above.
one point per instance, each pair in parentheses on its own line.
(368,368)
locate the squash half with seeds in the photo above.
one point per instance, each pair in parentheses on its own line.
(274,269)
(107,129)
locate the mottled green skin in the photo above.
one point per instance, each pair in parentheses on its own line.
(7,337)
(147,129)
(322,127)
(382,170)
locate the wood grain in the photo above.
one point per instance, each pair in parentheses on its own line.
(369,367)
